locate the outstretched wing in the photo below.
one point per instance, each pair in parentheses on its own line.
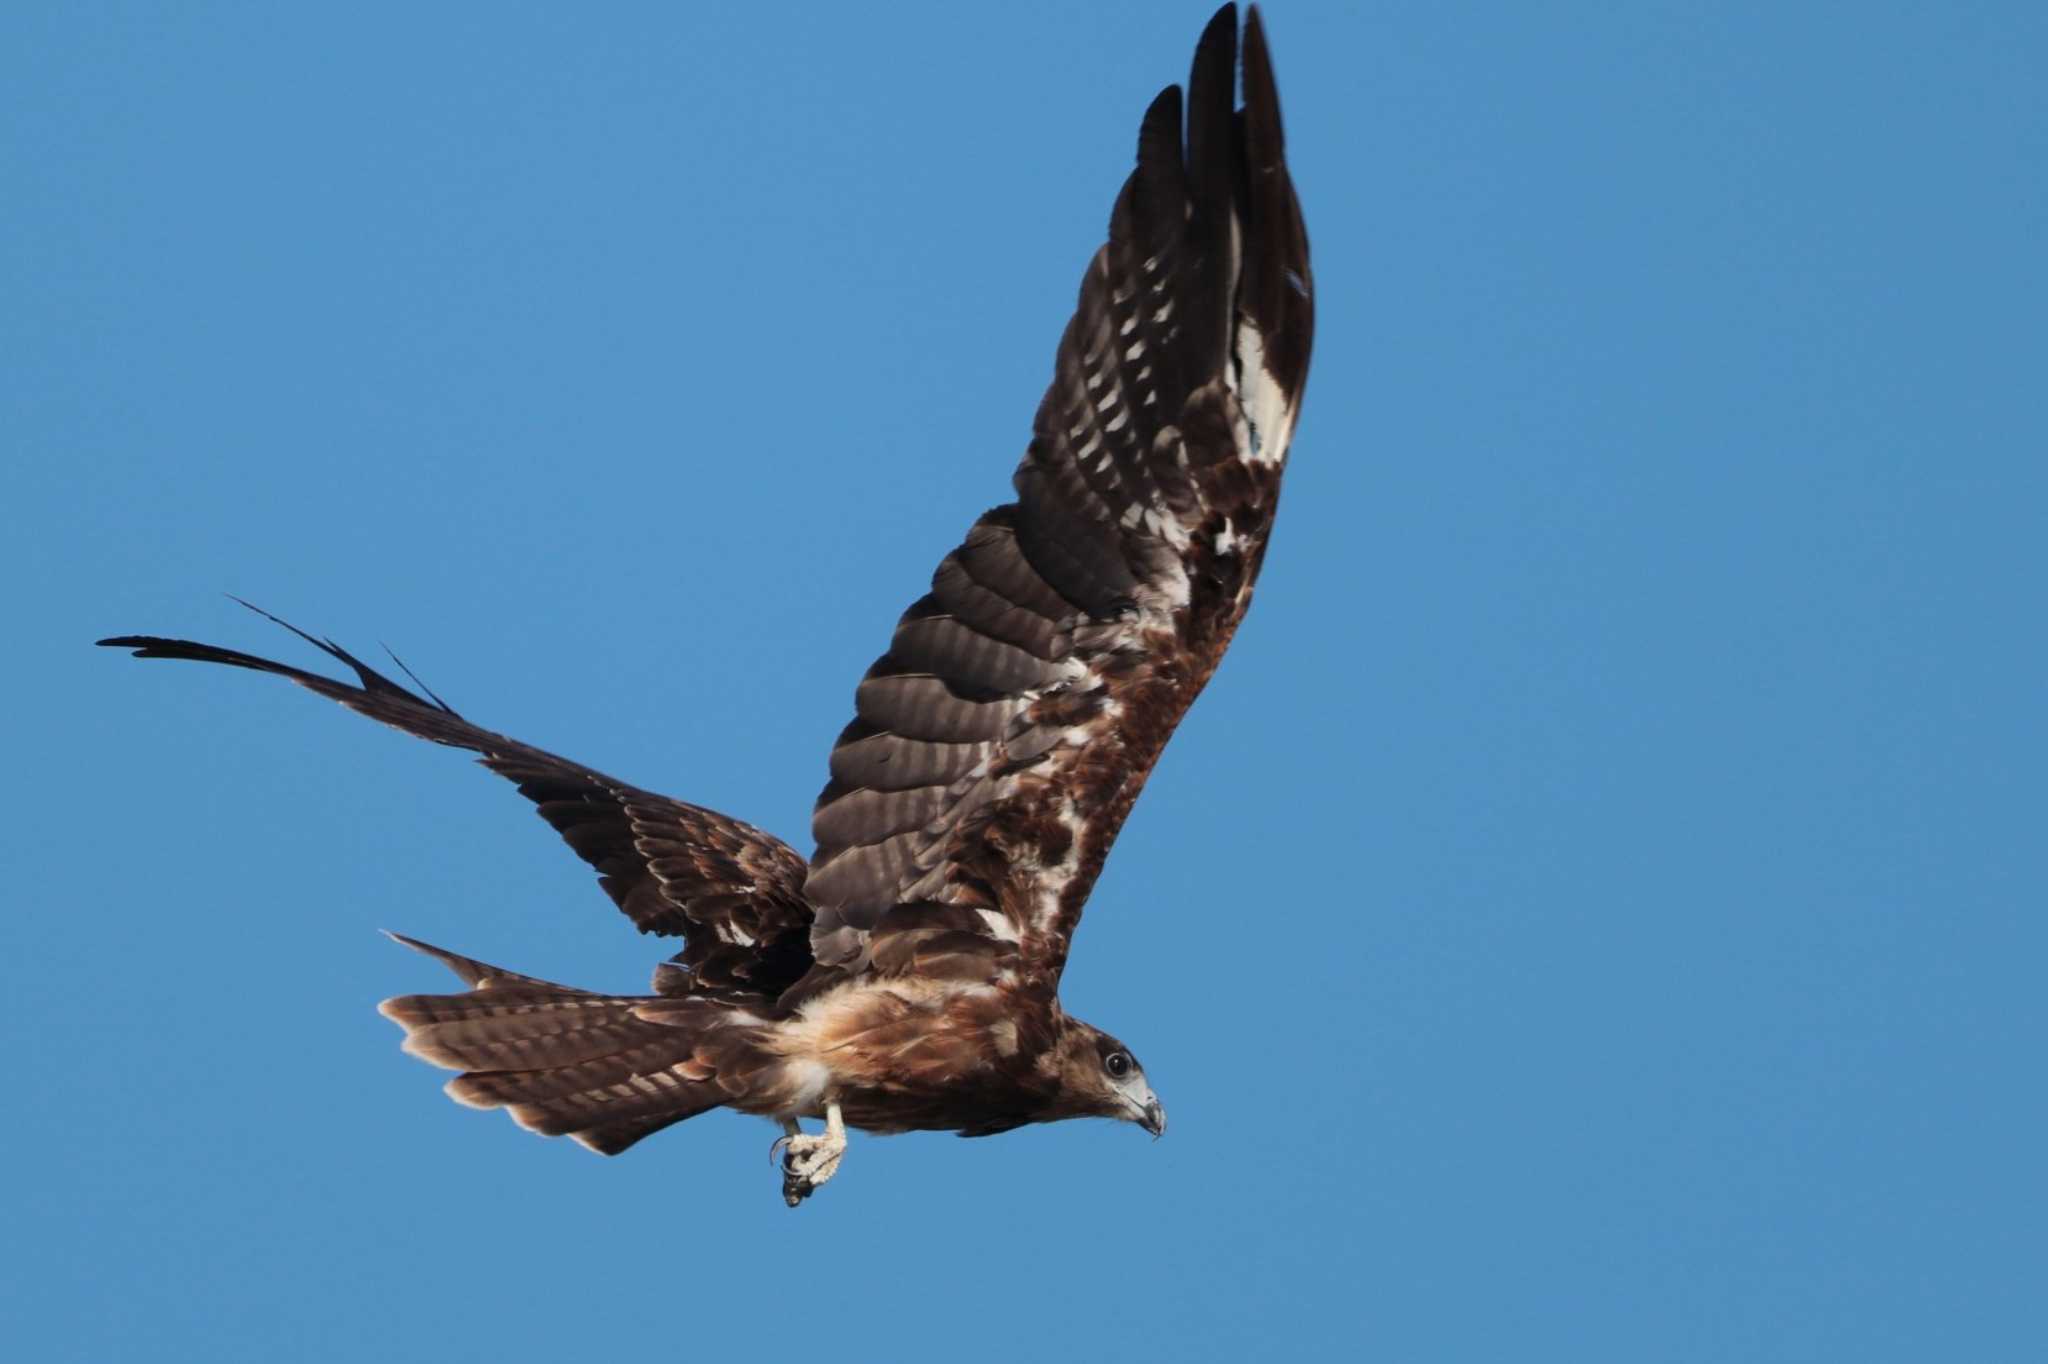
(1000,742)
(732,892)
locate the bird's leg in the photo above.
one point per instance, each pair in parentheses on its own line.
(808,1162)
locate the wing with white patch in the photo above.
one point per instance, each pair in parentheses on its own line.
(999,743)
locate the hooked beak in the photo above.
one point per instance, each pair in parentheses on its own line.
(1154,1120)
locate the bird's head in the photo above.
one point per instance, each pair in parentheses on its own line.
(1099,1078)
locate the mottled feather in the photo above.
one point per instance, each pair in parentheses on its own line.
(561,1061)
(999,743)
(732,892)
(905,977)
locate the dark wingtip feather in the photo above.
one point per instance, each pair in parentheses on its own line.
(326,646)
(274,620)
(372,683)
(1212,178)
(369,677)
(1212,90)
(414,677)
(1224,20)
(1277,288)
(1159,130)
(1265,140)
(157,646)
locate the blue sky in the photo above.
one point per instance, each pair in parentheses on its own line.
(1595,913)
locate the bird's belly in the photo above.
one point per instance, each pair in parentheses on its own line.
(897,1062)
(976,1103)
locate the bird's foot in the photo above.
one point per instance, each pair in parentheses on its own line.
(807,1161)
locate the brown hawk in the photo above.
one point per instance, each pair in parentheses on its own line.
(906,976)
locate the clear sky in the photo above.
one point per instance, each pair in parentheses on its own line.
(1595,914)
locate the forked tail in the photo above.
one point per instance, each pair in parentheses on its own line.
(566,1062)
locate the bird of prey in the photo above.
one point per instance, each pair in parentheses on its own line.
(906,976)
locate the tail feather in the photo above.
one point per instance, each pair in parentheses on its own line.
(477,973)
(561,1061)
(525,1036)
(575,1115)
(654,1063)
(608,1139)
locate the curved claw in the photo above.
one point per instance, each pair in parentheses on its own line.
(809,1161)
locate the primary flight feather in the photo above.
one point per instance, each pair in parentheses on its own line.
(906,977)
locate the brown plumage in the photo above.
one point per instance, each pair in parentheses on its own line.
(906,977)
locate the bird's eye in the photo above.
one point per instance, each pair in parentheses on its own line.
(1117,1064)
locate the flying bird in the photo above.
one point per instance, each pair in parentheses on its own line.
(905,977)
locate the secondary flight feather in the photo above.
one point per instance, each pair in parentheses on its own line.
(905,976)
